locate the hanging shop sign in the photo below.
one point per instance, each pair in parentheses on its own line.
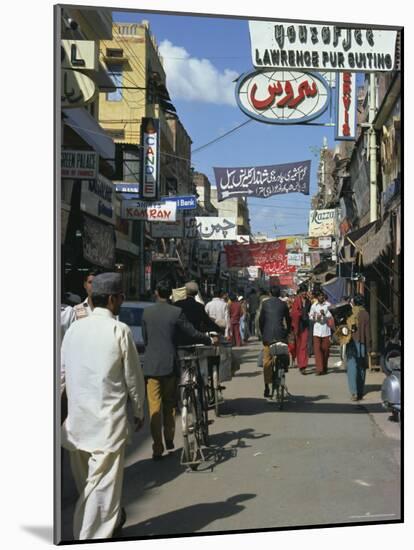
(346,106)
(322,222)
(149,211)
(98,243)
(294,259)
(184,202)
(284,45)
(256,254)
(167,230)
(96,198)
(210,228)
(282,97)
(150,141)
(77,89)
(78,164)
(127,188)
(325,243)
(263,181)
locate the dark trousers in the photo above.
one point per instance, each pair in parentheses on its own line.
(321,351)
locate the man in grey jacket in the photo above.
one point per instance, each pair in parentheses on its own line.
(162,325)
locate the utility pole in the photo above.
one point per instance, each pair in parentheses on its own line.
(373,202)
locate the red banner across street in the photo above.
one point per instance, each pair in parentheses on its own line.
(260,254)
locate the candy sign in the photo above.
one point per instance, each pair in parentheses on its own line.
(150,158)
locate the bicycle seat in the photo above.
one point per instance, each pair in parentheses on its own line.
(279,348)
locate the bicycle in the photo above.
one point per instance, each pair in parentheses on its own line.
(214,388)
(194,412)
(280,365)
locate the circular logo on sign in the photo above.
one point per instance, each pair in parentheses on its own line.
(282,97)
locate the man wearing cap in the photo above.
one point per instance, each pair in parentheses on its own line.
(195,313)
(162,326)
(100,371)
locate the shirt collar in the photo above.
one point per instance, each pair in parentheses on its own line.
(102,312)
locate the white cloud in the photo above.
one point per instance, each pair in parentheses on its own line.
(192,79)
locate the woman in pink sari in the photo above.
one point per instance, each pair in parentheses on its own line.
(300,325)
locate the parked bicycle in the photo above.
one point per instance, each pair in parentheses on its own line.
(194,399)
(280,366)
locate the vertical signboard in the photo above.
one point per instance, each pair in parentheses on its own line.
(150,140)
(346,106)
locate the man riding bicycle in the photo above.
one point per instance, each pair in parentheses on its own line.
(274,324)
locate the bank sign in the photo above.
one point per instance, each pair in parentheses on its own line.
(282,97)
(284,45)
(150,139)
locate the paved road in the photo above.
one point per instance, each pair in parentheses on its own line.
(322,460)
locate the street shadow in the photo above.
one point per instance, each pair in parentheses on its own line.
(371,388)
(146,475)
(42,532)
(225,438)
(250,406)
(249,374)
(189,519)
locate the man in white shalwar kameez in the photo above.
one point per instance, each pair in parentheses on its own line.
(100,370)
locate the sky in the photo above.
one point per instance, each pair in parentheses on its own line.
(202,58)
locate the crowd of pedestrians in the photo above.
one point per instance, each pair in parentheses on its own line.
(101,371)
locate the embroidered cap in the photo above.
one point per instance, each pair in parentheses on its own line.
(107,283)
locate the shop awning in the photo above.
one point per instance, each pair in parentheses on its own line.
(90,131)
(376,244)
(358,237)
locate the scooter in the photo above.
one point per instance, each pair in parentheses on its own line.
(391,387)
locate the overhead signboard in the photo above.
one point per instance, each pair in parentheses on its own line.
(263,181)
(283,45)
(150,137)
(294,259)
(78,164)
(282,97)
(255,254)
(77,89)
(125,187)
(81,55)
(346,107)
(167,230)
(96,198)
(322,222)
(149,211)
(184,202)
(210,228)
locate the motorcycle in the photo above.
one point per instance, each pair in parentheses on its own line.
(391,387)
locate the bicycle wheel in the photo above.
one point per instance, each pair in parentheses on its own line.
(216,391)
(189,427)
(202,415)
(281,392)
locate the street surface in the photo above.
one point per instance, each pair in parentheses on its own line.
(322,460)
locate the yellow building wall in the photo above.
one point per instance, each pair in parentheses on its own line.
(138,55)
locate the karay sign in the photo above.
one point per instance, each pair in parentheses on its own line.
(346,107)
(156,211)
(285,45)
(322,222)
(282,97)
(150,158)
(263,181)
